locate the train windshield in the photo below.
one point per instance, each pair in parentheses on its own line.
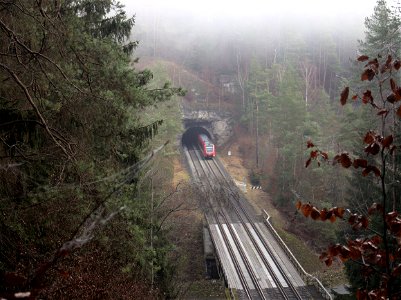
(209,148)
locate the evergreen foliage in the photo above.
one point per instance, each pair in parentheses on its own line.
(382,32)
(381,38)
(72,141)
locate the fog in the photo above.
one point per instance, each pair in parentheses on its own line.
(213,38)
(226,10)
(186,22)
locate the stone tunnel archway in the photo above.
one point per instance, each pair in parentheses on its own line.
(190,135)
(217,126)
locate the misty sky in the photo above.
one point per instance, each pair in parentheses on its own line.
(256,8)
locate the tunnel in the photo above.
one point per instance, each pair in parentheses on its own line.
(190,136)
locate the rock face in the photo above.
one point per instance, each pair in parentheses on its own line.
(217,123)
(222,130)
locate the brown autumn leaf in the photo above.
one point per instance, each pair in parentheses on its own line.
(345,253)
(364,222)
(369,169)
(373,63)
(323,214)
(345,160)
(391,98)
(379,260)
(334,250)
(308,162)
(354,97)
(391,216)
(368,74)
(344,96)
(309,144)
(393,85)
(397,94)
(384,68)
(329,213)
(355,253)
(367,97)
(379,294)
(369,137)
(387,141)
(368,245)
(315,214)
(361,295)
(377,239)
(397,64)
(373,148)
(339,211)
(313,154)
(298,205)
(358,162)
(306,209)
(352,219)
(395,227)
(363,58)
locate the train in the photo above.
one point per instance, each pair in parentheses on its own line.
(207,147)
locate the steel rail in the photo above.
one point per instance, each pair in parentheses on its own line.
(238,204)
(256,245)
(227,243)
(244,258)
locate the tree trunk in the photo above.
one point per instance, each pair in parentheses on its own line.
(257,135)
(241,80)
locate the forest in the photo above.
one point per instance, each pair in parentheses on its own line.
(90,105)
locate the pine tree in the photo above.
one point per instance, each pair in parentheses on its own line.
(381,39)
(288,118)
(71,134)
(382,35)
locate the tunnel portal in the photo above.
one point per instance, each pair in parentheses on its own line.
(190,135)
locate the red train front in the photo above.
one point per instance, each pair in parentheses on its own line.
(207,147)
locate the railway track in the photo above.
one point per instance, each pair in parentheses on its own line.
(287,289)
(224,214)
(213,212)
(245,259)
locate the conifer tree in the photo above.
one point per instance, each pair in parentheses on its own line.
(71,135)
(382,35)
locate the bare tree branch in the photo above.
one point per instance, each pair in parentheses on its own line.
(36,109)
